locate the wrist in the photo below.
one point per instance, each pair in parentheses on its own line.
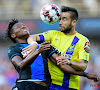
(85,74)
(70,63)
(38,52)
(34,42)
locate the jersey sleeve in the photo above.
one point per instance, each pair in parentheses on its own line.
(13,51)
(51,51)
(84,49)
(47,36)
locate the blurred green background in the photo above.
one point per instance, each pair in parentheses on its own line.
(28,11)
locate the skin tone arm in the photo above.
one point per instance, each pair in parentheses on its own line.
(33,44)
(32,38)
(17,60)
(68,69)
(80,66)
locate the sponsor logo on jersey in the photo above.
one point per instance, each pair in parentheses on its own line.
(67,56)
(56,39)
(71,48)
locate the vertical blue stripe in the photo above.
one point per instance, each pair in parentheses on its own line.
(69,52)
(37,67)
(66,80)
(72,46)
(41,37)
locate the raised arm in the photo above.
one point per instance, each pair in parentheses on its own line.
(33,44)
(33,38)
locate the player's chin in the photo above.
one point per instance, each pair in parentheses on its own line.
(61,29)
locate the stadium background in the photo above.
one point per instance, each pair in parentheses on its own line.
(27,11)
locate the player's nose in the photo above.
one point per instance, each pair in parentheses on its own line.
(60,22)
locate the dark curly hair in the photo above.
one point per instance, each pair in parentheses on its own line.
(72,11)
(9,30)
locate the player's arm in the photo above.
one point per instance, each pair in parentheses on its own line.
(68,69)
(53,53)
(84,48)
(64,67)
(22,63)
(33,38)
(81,65)
(33,44)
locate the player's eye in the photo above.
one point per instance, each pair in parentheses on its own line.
(64,19)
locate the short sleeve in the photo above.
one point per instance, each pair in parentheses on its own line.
(47,36)
(84,49)
(13,51)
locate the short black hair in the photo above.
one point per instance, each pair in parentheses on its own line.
(72,11)
(9,29)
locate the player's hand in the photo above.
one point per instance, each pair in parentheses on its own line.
(62,60)
(44,46)
(28,50)
(93,77)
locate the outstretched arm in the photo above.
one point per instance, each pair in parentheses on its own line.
(68,69)
(81,65)
(33,44)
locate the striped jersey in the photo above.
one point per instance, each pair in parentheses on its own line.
(73,47)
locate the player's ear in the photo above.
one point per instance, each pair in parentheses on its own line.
(73,22)
(13,35)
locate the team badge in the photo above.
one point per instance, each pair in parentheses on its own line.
(87,47)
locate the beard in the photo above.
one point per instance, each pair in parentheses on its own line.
(68,29)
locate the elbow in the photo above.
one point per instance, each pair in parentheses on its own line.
(83,68)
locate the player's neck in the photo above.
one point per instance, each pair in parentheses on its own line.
(21,40)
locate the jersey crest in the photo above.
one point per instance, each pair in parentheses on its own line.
(87,47)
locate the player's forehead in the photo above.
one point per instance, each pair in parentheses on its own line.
(65,15)
(18,25)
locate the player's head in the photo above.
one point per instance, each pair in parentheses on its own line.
(69,17)
(16,30)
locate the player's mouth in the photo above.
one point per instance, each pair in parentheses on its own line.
(61,27)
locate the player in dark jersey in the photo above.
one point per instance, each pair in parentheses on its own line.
(32,76)
(33,72)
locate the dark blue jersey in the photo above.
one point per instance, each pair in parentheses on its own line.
(37,70)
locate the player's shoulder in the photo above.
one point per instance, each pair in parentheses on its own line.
(51,32)
(82,37)
(14,47)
